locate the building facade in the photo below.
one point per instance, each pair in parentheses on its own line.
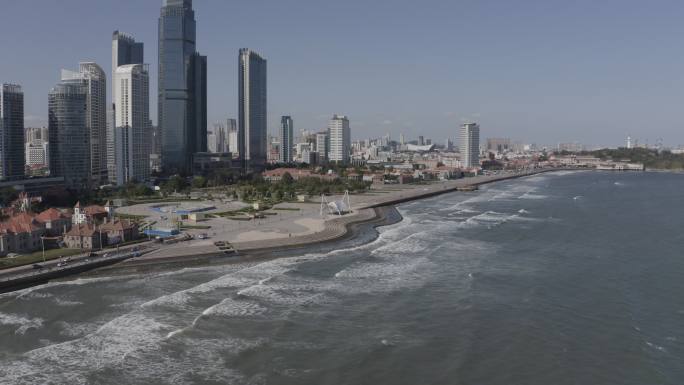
(95,80)
(12,160)
(182,87)
(470,145)
(132,124)
(339,135)
(125,50)
(233,137)
(286,139)
(253,116)
(217,138)
(69,136)
(322,146)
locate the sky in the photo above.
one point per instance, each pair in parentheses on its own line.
(545,71)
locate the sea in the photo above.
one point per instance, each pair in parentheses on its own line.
(559,278)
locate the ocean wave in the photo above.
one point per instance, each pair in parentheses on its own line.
(528,195)
(230,307)
(24,323)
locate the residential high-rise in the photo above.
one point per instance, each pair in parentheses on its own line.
(132,124)
(182,87)
(93,78)
(69,135)
(339,135)
(470,145)
(322,146)
(12,164)
(252,110)
(286,139)
(96,118)
(125,50)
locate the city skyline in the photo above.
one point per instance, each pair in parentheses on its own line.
(577,93)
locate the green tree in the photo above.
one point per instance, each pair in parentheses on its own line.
(199,182)
(8,195)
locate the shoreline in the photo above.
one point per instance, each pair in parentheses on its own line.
(337,230)
(378,212)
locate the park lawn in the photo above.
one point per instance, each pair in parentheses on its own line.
(37,257)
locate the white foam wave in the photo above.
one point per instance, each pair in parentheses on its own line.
(528,195)
(65,302)
(23,322)
(230,307)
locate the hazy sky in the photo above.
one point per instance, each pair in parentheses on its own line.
(542,71)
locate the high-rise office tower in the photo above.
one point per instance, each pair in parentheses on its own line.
(339,135)
(322,146)
(470,145)
(217,138)
(69,135)
(182,106)
(233,137)
(12,164)
(132,123)
(252,110)
(286,139)
(94,79)
(125,50)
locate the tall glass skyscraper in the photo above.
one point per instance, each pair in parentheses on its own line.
(11,132)
(69,135)
(182,87)
(252,110)
(286,139)
(125,50)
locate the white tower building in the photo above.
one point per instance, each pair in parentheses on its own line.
(132,123)
(339,137)
(470,145)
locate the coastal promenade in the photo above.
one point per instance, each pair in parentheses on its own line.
(291,229)
(279,232)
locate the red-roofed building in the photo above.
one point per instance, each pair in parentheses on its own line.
(119,231)
(86,237)
(20,234)
(92,213)
(55,222)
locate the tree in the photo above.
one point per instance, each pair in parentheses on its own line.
(8,195)
(199,182)
(287,179)
(175,184)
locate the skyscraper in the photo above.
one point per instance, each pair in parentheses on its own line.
(125,50)
(286,139)
(470,145)
(69,135)
(93,78)
(132,123)
(339,135)
(233,137)
(322,146)
(252,110)
(182,87)
(217,138)
(12,156)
